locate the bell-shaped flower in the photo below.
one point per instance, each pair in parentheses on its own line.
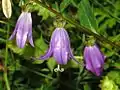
(23,30)
(59,47)
(94,59)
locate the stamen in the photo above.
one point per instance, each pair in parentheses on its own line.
(58,69)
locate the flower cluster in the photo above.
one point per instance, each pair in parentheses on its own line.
(59,46)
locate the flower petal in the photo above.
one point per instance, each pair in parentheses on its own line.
(61,56)
(13,34)
(21,38)
(30,30)
(95,62)
(93,59)
(54,37)
(99,54)
(30,38)
(66,39)
(47,55)
(88,59)
(22,31)
(20,22)
(60,52)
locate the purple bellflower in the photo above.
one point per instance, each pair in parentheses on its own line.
(23,30)
(59,47)
(94,59)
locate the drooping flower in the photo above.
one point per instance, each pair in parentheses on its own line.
(7,8)
(94,59)
(59,47)
(23,30)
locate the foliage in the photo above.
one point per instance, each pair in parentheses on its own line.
(26,72)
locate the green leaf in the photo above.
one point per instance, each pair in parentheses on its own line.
(108,84)
(74,64)
(75,2)
(14,48)
(64,4)
(22,2)
(51,64)
(116,75)
(87,87)
(115,38)
(27,51)
(2,30)
(2,40)
(86,15)
(40,48)
(45,13)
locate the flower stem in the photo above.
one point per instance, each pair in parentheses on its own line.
(80,27)
(6,59)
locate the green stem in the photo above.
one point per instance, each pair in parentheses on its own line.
(3,22)
(80,27)
(6,59)
(2,30)
(38,73)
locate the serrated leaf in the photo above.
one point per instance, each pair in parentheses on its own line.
(51,64)
(40,47)
(14,48)
(115,38)
(45,13)
(116,75)
(86,15)
(108,84)
(74,64)
(27,51)
(64,4)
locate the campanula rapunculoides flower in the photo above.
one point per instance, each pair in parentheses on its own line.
(59,47)
(23,30)
(94,59)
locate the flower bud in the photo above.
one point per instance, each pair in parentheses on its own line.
(7,8)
